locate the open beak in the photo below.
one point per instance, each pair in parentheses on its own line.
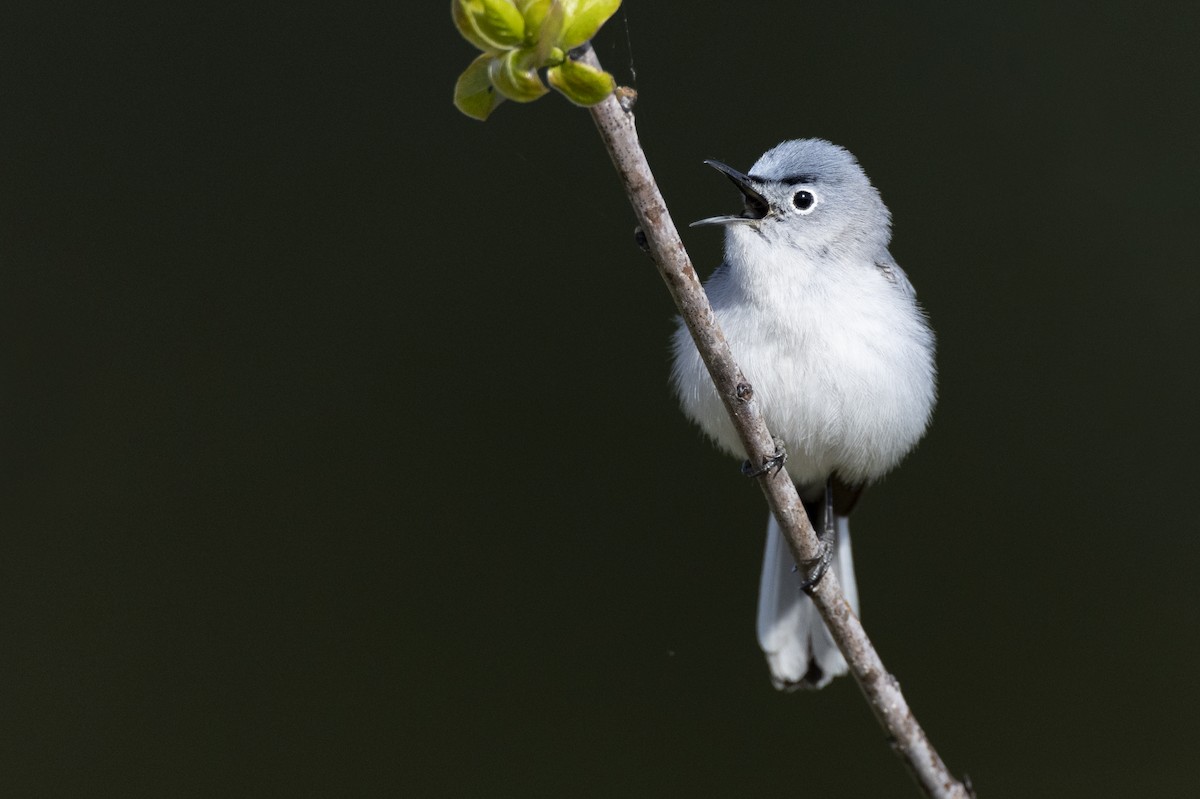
(756,206)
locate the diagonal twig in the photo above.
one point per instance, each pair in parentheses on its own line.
(614,120)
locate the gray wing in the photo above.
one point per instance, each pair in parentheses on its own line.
(891,270)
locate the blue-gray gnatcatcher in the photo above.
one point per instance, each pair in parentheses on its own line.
(826,327)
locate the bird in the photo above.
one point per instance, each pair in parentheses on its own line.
(826,327)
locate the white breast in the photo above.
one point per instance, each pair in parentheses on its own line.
(840,358)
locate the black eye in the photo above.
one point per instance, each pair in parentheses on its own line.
(803,200)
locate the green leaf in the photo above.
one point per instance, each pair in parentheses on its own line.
(490,25)
(474,94)
(463,22)
(549,30)
(582,84)
(514,75)
(583,18)
(534,11)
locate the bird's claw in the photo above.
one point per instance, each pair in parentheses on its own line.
(816,568)
(773,464)
(827,537)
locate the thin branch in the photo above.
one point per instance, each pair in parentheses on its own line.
(616,127)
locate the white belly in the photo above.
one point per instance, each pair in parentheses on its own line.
(846,379)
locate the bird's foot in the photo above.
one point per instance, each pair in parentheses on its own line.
(772,464)
(815,569)
(827,536)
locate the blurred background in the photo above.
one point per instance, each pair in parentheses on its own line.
(337,455)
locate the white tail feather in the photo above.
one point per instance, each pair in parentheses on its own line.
(797,644)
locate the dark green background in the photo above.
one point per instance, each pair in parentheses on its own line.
(338,457)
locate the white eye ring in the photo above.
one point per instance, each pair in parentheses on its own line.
(804,201)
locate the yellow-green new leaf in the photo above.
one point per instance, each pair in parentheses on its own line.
(582,84)
(582,18)
(534,11)
(468,31)
(514,75)
(490,25)
(549,29)
(474,94)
